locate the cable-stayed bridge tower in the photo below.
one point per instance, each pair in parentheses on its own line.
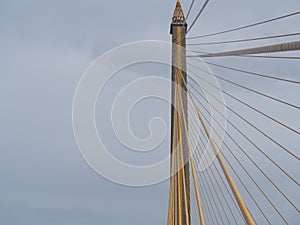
(180,181)
(250,174)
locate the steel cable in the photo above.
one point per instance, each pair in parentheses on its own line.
(244,40)
(281,47)
(234,141)
(198,15)
(247,26)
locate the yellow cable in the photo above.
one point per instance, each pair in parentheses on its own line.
(181,154)
(247,216)
(179,136)
(193,167)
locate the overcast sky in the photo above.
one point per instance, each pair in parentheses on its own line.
(45,48)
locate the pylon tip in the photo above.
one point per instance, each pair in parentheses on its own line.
(178,15)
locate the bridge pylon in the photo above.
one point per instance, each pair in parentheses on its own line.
(179,208)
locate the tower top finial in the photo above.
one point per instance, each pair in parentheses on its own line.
(178,15)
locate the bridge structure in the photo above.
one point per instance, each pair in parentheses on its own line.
(252,177)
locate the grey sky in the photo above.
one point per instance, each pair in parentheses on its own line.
(45,47)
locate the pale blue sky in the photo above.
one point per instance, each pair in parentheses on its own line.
(45,47)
